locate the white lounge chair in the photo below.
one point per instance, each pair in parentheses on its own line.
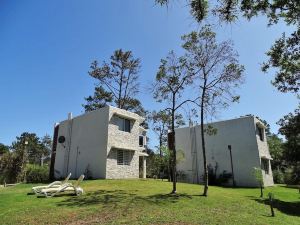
(55,184)
(68,187)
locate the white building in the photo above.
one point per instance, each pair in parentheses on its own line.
(105,143)
(247,140)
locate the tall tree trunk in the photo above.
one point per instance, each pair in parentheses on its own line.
(120,91)
(160,144)
(174,148)
(203,142)
(170,170)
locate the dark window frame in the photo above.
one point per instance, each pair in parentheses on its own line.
(127,125)
(124,124)
(141,141)
(123,157)
(265,165)
(260,132)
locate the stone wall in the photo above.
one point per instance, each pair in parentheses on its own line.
(118,139)
(115,171)
(264,153)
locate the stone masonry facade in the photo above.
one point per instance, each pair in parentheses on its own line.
(264,153)
(127,141)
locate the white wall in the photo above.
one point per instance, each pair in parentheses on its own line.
(93,143)
(88,145)
(239,133)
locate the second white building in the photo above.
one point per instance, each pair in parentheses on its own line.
(245,137)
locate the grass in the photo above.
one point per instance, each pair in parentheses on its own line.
(148,202)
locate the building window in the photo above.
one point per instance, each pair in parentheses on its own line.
(141,141)
(123,157)
(124,124)
(265,165)
(260,132)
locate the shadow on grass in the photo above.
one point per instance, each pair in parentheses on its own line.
(289,208)
(297,187)
(120,197)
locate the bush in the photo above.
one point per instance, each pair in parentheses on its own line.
(2,178)
(224,178)
(11,169)
(292,175)
(289,176)
(278,176)
(37,174)
(212,177)
(88,173)
(181,176)
(155,165)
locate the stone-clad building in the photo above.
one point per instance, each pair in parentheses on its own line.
(105,143)
(246,139)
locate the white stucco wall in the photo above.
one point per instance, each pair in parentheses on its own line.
(239,133)
(87,144)
(92,140)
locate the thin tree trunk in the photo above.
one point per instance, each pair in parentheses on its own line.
(120,90)
(271,204)
(203,142)
(174,148)
(160,154)
(160,144)
(170,170)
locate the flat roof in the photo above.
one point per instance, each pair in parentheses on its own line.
(222,121)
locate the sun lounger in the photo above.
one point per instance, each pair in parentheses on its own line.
(55,184)
(68,187)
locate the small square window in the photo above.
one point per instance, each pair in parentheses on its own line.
(123,157)
(124,124)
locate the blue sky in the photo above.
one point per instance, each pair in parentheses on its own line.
(47,46)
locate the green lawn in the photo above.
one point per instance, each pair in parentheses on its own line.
(148,202)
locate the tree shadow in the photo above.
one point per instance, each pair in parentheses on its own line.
(165,198)
(117,197)
(96,197)
(296,187)
(289,208)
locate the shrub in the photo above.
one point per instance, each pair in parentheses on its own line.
(155,164)
(212,174)
(224,178)
(278,176)
(37,174)
(212,177)
(290,177)
(11,169)
(88,173)
(181,176)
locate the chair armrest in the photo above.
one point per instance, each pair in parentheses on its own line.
(55,183)
(62,188)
